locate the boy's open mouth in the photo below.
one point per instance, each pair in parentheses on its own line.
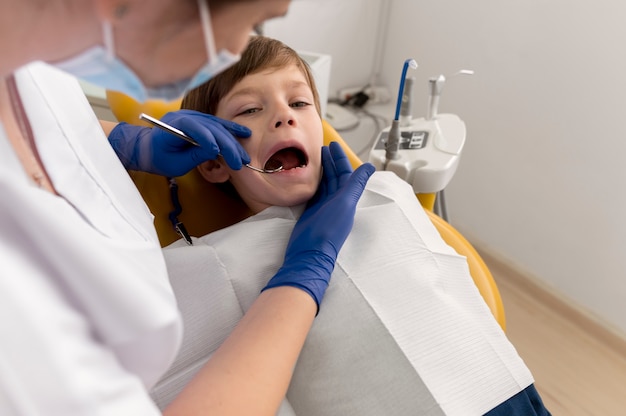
(288,158)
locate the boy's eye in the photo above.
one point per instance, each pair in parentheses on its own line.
(249,111)
(298,104)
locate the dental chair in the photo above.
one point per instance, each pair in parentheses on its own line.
(207,209)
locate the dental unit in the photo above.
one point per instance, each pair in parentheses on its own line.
(423,151)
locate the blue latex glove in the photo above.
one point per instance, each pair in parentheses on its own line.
(324,226)
(157,151)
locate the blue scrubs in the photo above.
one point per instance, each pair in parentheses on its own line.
(525,403)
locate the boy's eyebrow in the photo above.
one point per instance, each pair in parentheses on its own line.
(253,90)
(298,83)
(243,91)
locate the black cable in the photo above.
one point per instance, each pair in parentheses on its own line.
(357,102)
(179,227)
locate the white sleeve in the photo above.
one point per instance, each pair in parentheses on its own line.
(50,361)
(76,308)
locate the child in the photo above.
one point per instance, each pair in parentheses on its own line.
(402,330)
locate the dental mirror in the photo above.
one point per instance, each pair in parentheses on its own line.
(278,169)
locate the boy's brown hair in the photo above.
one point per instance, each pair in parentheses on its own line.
(261,53)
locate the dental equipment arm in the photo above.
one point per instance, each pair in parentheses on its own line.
(324,226)
(157,151)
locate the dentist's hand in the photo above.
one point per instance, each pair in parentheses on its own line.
(157,151)
(324,226)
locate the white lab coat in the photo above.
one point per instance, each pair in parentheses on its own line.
(88,320)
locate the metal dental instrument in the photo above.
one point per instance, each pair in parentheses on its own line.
(164,126)
(278,169)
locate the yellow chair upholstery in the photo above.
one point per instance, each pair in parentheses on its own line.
(206,208)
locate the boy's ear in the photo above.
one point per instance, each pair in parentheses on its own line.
(214,171)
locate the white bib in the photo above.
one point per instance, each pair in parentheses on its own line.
(402,329)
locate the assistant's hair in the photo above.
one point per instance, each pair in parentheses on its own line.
(261,53)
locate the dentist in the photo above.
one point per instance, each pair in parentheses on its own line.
(88,319)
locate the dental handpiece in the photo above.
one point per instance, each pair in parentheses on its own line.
(170,129)
(392,146)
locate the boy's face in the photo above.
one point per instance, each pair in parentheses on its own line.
(277,106)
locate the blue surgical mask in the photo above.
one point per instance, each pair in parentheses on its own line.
(99,65)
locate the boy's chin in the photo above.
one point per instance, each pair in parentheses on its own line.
(301,198)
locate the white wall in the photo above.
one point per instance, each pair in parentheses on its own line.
(344,29)
(541,182)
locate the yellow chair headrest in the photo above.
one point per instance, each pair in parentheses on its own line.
(127,109)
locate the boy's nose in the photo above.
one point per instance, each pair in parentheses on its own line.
(280,122)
